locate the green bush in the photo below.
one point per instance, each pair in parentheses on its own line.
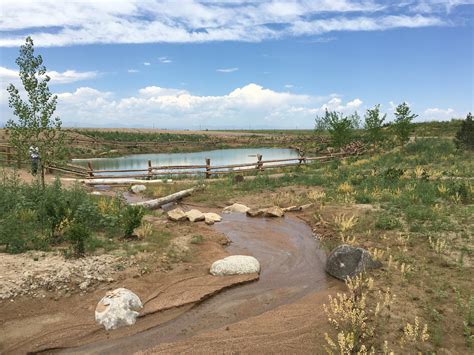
(33,217)
(78,235)
(387,222)
(465,134)
(131,218)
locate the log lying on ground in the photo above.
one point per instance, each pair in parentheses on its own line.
(157,203)
(112,181)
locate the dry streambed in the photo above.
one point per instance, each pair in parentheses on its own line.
(292,267)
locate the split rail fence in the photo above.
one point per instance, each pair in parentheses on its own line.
(208,170)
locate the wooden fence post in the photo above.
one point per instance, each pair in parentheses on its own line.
(150,170)
(9,158)
(259,162)
(208,168)
(91,171)
(302,158)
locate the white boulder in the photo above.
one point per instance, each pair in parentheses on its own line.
(235,265)
(236,207)
(118,308)
(136,189)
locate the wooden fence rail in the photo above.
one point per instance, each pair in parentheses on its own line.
(207,169)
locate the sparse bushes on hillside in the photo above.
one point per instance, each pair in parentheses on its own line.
(402,124)
(465,135)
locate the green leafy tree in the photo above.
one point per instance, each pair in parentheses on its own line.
(465,135)
(339,126)
(402,124)
(373,124)
(35,124)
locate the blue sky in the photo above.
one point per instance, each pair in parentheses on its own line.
(241,64)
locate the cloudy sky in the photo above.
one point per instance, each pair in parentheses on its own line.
(242,64)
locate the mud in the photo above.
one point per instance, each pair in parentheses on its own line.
(292,268)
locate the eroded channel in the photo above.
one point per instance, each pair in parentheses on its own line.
(292,266)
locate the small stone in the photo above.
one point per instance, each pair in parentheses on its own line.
(195,215)
(177,215)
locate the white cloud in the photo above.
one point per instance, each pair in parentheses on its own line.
(251,104)
(146,63)
(66,77)
(154,21)
(289,86)
(132,71)
(438,114)
(227,70)
(165,60)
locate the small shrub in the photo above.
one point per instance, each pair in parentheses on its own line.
(78,235)
(197,239)
(387,222)
(131,218)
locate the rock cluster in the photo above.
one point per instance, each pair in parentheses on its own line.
(118,308)
(235,265)
(348,261)
(193,215)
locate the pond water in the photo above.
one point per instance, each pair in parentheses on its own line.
(218,157)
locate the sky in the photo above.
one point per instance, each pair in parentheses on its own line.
(242,64)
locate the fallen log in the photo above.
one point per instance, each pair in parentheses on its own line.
(157,203)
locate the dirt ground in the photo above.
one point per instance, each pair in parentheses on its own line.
(61,317)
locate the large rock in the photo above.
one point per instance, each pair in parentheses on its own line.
(235,265)
(211,218)
(236,207)
(177,215)
(118,308)
(348,261)
(136,189)
(195,215)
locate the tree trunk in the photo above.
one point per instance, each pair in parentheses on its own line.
(157,203)
(42,175)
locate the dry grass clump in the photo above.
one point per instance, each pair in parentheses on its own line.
(352,317)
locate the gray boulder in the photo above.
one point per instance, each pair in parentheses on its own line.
(348,261)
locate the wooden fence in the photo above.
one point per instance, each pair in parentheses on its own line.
(206,169)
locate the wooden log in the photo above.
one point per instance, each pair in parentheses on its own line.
(157,203)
